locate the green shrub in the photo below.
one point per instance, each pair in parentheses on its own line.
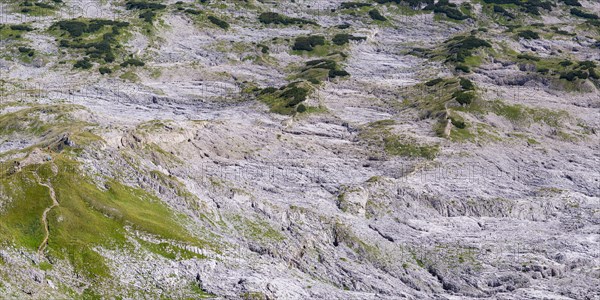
(591,22)
(571,2)
(447,8)
(433,82)
(104,70)
(565,63)
(307,43)
(143,5)
(338,73)
(321,63)
(500,10)
(411,3)
(148,16)
(464,98)
(334,70)
(586,65)
(344,38)
(219,22)
(348,5)
(263,48)
(98,48)
(460,124)
(275,18)
(132,62)
(582,14)
(285,99)
(83,64)
(21,27)
(376,15)
(466,84)
(296,94)
(192,11)
(462,68)
(528,57)
(302,43)
(44,5)
(301,108)
(529,35)
(574,75)
(74,28)
(268,90)
(109,57)
(77,28)
(451,13)
(25,50)
(149,9)
(461,47)
(527,6)
(543,70)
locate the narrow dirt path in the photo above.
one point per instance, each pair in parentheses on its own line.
(44,243)
(448,128)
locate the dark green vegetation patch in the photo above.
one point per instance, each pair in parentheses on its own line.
(460,48)
(379,135)
(411,3)
(449,9)
(344,38)
(333,70)
(76,28)
(562,69)
(350,5)
(286,99)
(582,14)
(529,35)
(96,37)
(39,7)
(376,15)
(307,43)
(527,6)
(275,18)
(218,22)
(148,10)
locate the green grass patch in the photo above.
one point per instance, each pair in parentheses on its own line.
(256,229)
(285,99)
(396,145)
(379,135)
(526,115)
(40,120)
(87,216)
(39,7)
(459,48)
(13,32)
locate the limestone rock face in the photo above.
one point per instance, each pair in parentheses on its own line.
(354,201)
(192,150)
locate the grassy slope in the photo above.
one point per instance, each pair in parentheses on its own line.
(87,217)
